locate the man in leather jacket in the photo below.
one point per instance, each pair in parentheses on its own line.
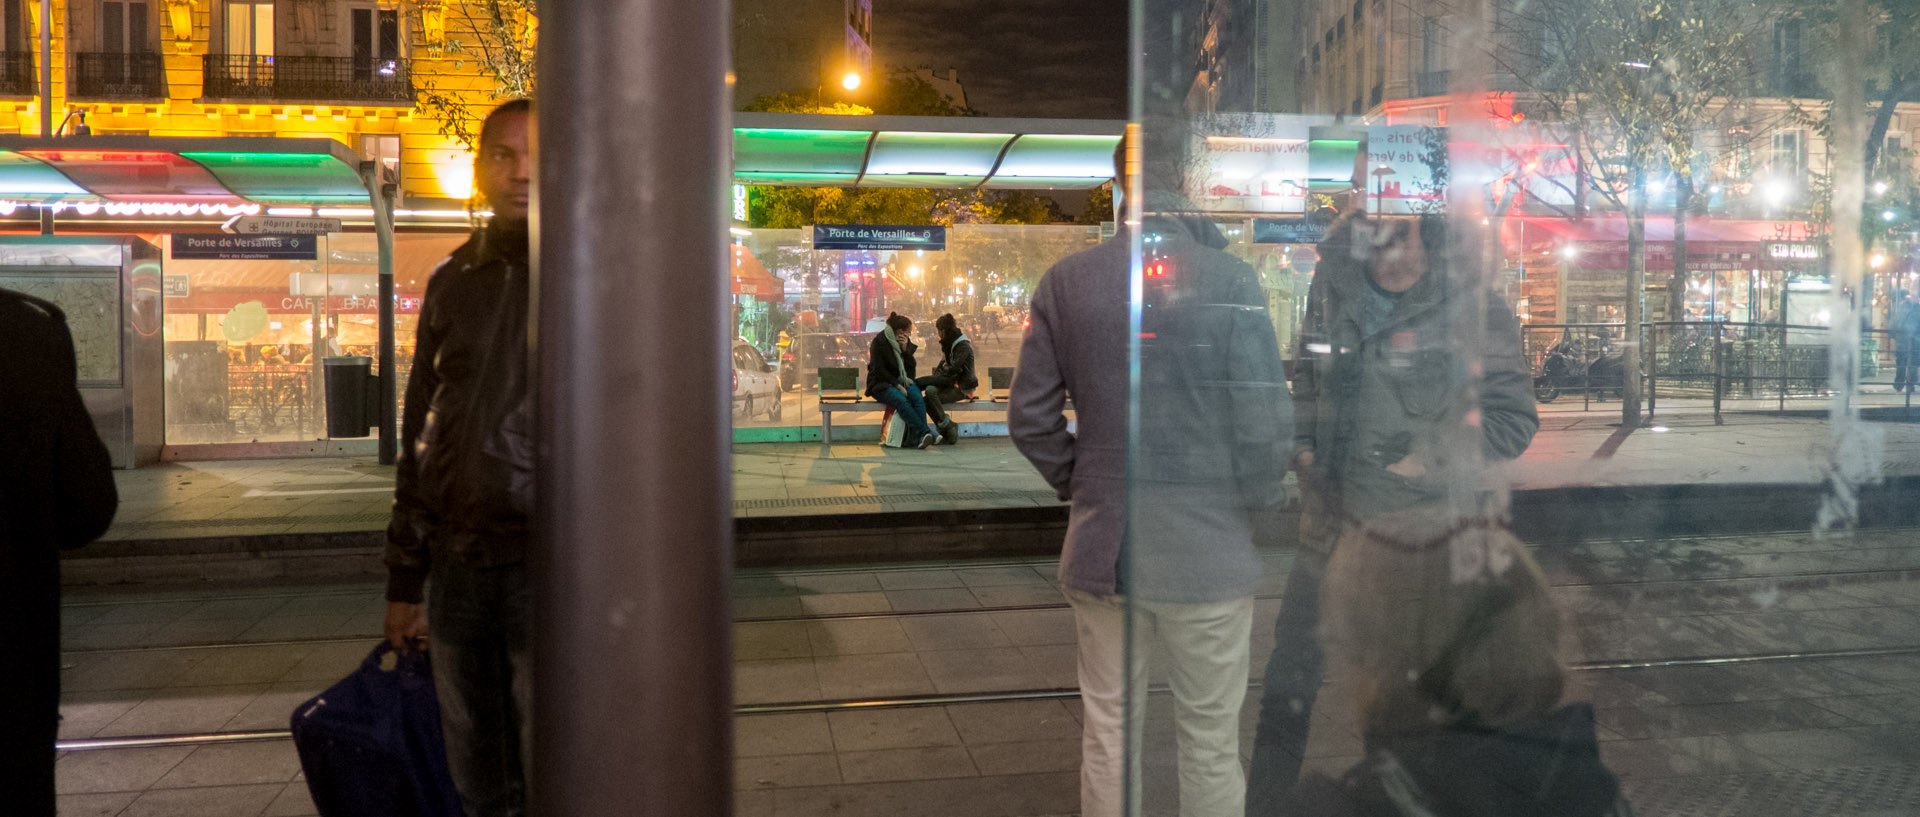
(56,491)
(462,496)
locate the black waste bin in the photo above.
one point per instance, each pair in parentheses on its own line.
(349,395)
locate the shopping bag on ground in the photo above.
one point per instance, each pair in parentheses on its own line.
(370,745)
(893,430)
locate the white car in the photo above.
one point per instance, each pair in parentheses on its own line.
(756,386)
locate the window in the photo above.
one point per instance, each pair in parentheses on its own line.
(1433,45)
(1790,75)
(376,43)
(1789,154)
(250,28)
(123,27)
(384,150)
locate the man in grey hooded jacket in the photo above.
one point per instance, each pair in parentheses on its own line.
(1172,547)
(1408,379)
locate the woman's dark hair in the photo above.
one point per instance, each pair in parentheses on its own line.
(949,330)
(900,323)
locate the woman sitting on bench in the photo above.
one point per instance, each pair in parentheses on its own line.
(952,380)
(890,380)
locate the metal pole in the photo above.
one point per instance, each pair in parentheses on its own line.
(381,194)
(633,550)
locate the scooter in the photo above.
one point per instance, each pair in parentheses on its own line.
(1566,369)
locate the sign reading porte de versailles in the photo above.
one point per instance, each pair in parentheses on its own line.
(878,237)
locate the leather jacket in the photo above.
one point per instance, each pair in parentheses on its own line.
(463,488)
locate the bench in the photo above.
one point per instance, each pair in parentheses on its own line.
(841,390)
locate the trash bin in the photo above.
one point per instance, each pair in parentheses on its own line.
(349,395)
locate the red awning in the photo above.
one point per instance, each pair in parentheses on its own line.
(750,277)
(1613,227)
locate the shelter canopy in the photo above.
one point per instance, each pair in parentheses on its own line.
(826,150)
(178,170)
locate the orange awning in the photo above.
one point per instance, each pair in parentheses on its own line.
(750,277)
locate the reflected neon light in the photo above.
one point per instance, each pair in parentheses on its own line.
(133,208)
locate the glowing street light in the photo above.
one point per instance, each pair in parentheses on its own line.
(851,81)
(1877,261)
(1879,188)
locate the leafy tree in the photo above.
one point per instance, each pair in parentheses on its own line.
(1099,207)
(499,37)
(1633,83)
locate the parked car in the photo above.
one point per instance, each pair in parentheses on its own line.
(756,389)
(800,364)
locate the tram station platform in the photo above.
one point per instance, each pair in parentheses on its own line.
(1739,664)
(807,503)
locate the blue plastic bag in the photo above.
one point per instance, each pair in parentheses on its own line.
(371,746)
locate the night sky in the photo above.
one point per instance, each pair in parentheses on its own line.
(1036,58)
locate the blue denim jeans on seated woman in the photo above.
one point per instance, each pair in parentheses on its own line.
(911,407)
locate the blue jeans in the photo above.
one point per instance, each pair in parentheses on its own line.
(480,623)
(909,406)
(1291,684)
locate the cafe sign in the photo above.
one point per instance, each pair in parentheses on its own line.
(1794,251)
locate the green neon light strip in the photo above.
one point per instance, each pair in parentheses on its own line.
(779,150)
(23,178)
(306,178)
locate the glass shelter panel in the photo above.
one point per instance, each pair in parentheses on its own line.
(1509,394)
(801,309)
(247,339)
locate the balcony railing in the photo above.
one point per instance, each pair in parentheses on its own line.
(16,74)
(231,76)
(118,76)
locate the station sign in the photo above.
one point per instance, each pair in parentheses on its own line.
(878,237)
(279,225)
(215,247)
(1288,231)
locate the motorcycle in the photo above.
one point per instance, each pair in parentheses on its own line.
(1566,368)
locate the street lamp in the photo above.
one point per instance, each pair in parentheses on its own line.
(1380,175)
(851,81)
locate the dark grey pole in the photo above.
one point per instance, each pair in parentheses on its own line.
(380,193)
(633,696)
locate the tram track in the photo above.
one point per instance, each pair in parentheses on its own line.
(988,697)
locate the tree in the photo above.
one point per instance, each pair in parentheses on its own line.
(1633,83)
(499,37)
(1099,207)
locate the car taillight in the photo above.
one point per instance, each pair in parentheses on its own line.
(786,356)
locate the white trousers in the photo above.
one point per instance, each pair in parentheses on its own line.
(1207,648)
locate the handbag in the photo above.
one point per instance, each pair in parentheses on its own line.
(371,746)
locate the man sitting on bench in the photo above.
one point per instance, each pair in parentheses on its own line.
(952,380)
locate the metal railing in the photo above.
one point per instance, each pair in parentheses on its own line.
(16,74)
(237,76)
(118,76)
(1704,359)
